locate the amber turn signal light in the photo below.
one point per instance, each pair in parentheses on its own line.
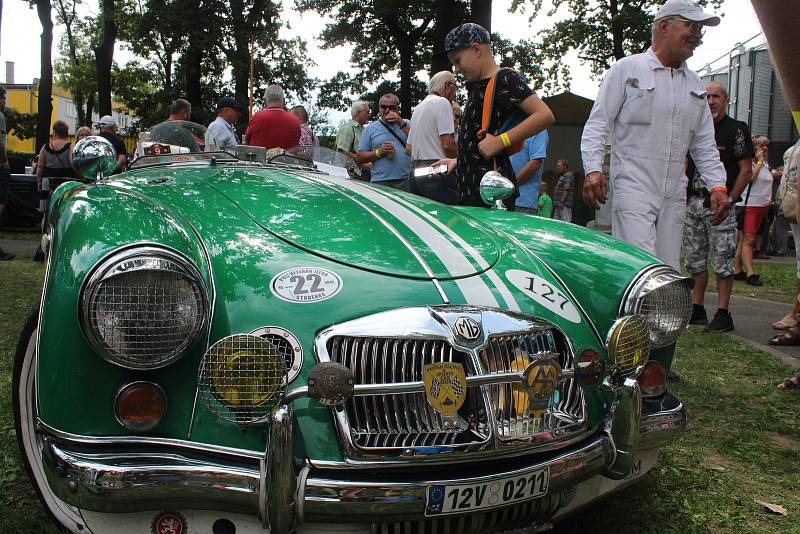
(139,406)
(652,379)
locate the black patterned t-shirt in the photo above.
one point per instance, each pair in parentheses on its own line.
(510,91)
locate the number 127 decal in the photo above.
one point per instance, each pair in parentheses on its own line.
(544,293)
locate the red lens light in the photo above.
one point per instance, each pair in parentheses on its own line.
(590,367)
(139,406)
(652,379)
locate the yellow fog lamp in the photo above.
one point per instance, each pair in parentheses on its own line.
(628,343)
(242,377)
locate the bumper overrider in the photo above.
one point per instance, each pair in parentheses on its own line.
(124,476)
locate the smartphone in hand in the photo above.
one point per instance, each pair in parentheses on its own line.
(427,171)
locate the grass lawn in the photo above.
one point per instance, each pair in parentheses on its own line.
(743,443)
(780,283)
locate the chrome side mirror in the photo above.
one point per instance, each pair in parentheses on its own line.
(94,157)
(494,188)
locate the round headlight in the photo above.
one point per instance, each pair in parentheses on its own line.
(241,378)
(664,297)
(143,308)
(628,343)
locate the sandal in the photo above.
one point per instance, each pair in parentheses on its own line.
(790,337)
(785,323)
(793,382)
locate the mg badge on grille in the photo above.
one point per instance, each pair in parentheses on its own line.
(445,386)
(540,381)
(467,328)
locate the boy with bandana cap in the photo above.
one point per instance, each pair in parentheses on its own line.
(469,49)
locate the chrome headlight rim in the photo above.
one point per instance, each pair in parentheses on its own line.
(636,292)
(108,267)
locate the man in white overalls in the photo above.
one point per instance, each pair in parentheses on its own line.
(652,109)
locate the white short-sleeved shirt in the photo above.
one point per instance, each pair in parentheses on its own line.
(221,134)
(432,118)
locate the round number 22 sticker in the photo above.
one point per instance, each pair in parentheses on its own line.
(305,284)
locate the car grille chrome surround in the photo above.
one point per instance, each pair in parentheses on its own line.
(663,295)
(143,307)
(393,347)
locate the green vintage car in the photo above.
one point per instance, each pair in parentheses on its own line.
(248,344)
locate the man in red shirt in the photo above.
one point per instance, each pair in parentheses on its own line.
(274,126)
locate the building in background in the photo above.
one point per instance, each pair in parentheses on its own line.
(756,96)
(24,98)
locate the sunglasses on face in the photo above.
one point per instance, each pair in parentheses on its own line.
(390,107)
(694,27)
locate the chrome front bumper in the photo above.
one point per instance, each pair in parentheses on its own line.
(116,480)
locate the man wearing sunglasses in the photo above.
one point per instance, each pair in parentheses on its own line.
(383,143)
(652,110)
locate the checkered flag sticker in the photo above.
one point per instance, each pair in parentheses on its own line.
(435,388)
(458,389)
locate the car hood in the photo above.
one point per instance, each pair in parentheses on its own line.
(361,225)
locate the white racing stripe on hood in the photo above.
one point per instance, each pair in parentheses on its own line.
(474,289)
(501,287)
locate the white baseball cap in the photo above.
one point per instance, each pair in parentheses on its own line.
(688,10)
(108,120)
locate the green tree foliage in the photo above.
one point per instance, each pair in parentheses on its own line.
(21,125)
(387,35)
(184,59)
(601,31)
(74,67)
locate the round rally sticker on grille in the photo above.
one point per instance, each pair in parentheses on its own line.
(305,284)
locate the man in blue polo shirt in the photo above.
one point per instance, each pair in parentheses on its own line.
(527,164)
(384,144)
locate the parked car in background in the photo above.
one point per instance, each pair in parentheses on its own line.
(252,343)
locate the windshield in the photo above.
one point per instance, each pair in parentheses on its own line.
(184,141)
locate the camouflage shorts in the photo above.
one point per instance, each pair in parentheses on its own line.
(700,238)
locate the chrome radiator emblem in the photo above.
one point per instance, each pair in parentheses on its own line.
(467,328)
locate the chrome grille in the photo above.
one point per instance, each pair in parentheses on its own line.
(518,516)
(404,420)
(512,417)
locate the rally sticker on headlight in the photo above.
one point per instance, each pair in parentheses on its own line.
(305,284)
(544,293)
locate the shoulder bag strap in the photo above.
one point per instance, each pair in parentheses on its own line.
(486,115)
(393,133)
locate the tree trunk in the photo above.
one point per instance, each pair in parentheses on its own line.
(482,13)
(89,110)
(617,31)
(406,50)
(445,21)
(45,103)
(104,57)
(192,66)
(78,101)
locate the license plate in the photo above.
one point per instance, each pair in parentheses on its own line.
(459,498)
